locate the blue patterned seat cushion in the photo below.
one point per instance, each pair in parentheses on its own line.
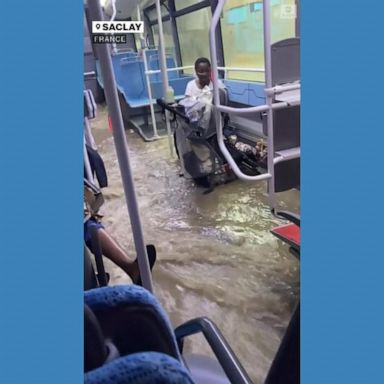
(140,368)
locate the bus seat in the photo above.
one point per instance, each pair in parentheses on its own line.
(131,82)
(140,368)
(137,331)
(246,93)
(154,64)
(177,81)
(103,363)
(132,319)
(237,90)
(256,94)
(150,52)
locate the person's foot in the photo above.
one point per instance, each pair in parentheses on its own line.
(151,252)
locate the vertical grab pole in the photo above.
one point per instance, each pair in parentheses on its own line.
(144,52)
(213,51)
(215,71)
(114,47)
(164,73)
(268,84)
(122,151)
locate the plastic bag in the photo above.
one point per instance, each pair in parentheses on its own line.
(198,108)
(206,98)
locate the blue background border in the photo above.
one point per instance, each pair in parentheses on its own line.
(342,211)
(41,192)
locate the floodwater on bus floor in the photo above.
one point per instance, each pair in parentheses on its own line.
(216,255)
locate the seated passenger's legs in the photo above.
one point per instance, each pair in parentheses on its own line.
(113,251)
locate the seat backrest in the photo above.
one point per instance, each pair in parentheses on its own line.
(102,360)
(140,368)
(154,64)
(285,61)
(130,79)
(132,319)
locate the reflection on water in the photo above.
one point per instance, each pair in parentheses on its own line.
(216,256)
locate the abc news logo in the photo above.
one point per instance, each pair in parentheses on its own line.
(114,32)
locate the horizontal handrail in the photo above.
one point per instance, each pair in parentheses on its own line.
(241,69)
(154,71)
(294,155)
(259,108)
(282,88)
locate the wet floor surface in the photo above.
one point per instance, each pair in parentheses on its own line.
(216,256)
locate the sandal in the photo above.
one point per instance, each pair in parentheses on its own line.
(151,252)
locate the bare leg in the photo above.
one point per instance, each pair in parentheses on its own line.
(115,253)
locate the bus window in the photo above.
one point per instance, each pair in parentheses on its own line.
(167,31)
(242,32)
(193,30)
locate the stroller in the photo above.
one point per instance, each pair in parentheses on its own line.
(196,144)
